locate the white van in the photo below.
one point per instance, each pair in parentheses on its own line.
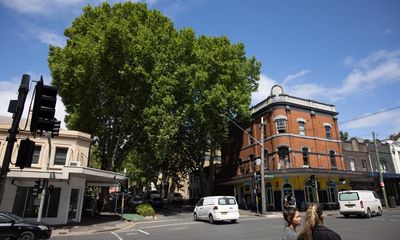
(359,202)
(217,208)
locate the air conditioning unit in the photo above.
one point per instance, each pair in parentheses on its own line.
(74,163)
(306,166)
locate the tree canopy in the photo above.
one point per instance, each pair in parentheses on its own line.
(151,95)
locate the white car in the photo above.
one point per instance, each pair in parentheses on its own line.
(359,202)
(217,208)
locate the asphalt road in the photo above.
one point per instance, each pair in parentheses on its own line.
(249,227)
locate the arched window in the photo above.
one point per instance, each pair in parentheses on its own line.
(269,194)
(304,150)
(284,159)
(332,159)
(308,192)
(332,192)
(302,128)
(384,166)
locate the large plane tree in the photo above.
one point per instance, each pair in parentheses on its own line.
(151,95)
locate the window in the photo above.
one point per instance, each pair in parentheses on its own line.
(352,164)
(328,132)
(364,164)
(332,193)
(61,156)
(281,125)
(26,205)
(265,131)
(36,154)
(302,128)
(266,163)
(384,166)
(308,190)
(284,159)
(305,156)
(332,159)
(250,135)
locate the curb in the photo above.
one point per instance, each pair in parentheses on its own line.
(92,229)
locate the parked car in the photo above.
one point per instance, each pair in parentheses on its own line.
(156,202)
(217,208)
(360,203)
(174,197)
(136,201)
(155,194)
(15,227)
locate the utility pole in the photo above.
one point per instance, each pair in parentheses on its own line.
(263,196)
(45,181)
(123,197)
(16,107)
(381,183)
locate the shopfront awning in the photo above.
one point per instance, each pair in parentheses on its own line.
(292,172)
(94,177)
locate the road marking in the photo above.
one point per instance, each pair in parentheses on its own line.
(131,233)
(119,238)
(157,221)
(144,232)
(169,225)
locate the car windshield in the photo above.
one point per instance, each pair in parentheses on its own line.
(14,217)
(226,201)
(349,196)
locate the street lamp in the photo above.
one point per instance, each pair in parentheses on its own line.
(263,196)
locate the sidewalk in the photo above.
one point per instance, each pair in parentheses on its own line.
(106,222)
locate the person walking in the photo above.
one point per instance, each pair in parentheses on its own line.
(292,217)
(314,229)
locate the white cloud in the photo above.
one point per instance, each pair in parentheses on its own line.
(51,38)
(390,119)
(379,68)
(295,76)
(41,6)
(308,90)
(9,91)
(264,88)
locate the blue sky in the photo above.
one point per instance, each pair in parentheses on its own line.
(345,53)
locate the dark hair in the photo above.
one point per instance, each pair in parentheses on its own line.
(313,218)
(288,214)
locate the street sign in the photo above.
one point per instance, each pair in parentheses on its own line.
(269,176)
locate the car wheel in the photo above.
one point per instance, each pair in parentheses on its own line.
(195,217)
(234,221)
(27,236)
(368,215)
(380,211)
(346,215)
(210,219)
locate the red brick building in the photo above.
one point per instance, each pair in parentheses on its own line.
(301,142)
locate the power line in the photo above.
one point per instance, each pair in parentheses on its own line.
(369,115)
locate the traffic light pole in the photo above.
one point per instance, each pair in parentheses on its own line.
(45,181)
(13,131)
(263,195)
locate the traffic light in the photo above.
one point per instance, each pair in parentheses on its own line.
(43,107)
(25,153)
(312,179)
(56,128)
(126,185)
(37,188)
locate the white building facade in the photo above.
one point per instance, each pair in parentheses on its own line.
(63,163)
